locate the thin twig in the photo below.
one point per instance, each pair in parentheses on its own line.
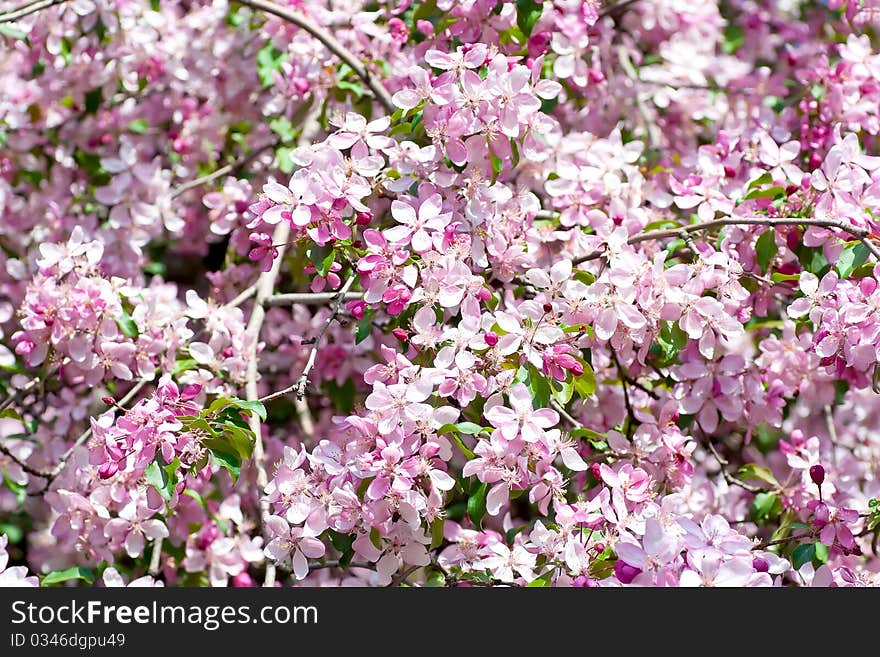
(50,475)
(857,232)
(631,418)
(27,9)
(299,387)
(310,298)
(331,43)
(228,169)
(156,557)
(729,478)
(265,285)
(26,388)
(400,577)
(245,294)
(565,414)
(265,289)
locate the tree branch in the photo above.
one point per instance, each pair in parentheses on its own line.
(300,386)
(859,233)
(27,9)
(50,475)
(265,288)
(231,168)
(330,42)
(311,298)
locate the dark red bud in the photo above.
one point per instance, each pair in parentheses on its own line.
(817,474)
(400,334)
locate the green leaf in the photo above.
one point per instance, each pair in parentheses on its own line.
(497,165)
(227,460)
(282,127)
(672,339)
(589,434)
(11,32)
(734,38)
(138,126)
(436,533)
(249,407)
(585,384)
(850,258)
(541,582)
(10,413)
(197,497)
(76,572)
(163,478)
(13,533)
(269,60)
(821,551)
(364,327)
(562,391)
(476,505)
(285,159)
(755,471)
(14,487)
(764,506)
(538,387)
(469,428)
(803,554)
(765,249)
(764,179)
(468,453)
(127,325)
(322,257)
(767,192)
(527,14)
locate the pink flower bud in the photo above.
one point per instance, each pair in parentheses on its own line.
(624,572)
(356,308)
(108,469)
(817,474)
(491,338)
(400,334)
(242,581)
(398,30)
(595,76)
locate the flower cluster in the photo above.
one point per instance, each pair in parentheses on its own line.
(440,293)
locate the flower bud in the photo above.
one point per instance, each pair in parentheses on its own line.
(625,573)
(491,338)
(400,334)
(817,474)
(242,581)
(108,469)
